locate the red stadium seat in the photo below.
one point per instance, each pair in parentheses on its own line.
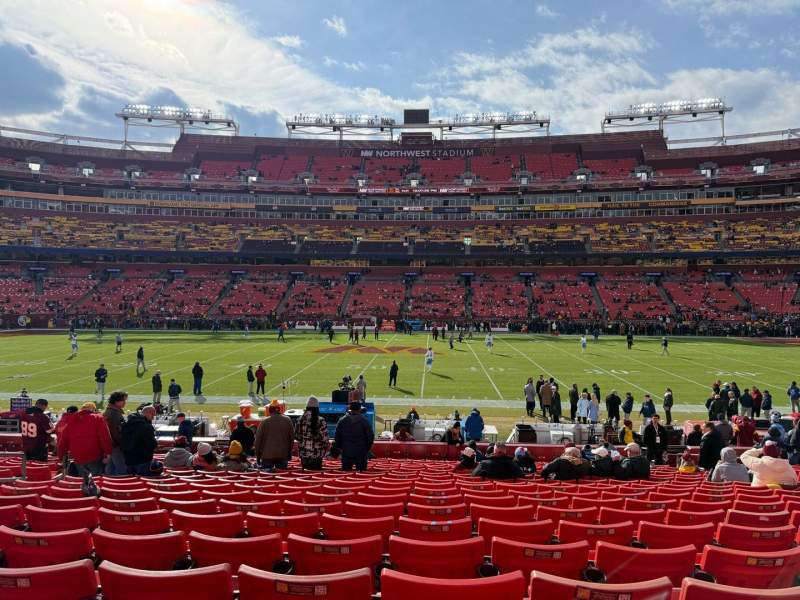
(682,517)
(533,532)
(366,511)
(449,511)
(623,564)
(750,519)
(451,560)
(713,505)
(521,514)
(31,549)
(565,560)
(301,508)
(615,515)
(343,528)
(134,523)
(656,535)
(207,583)
(435,531)
(272,507)
(68,503)
(62,581)
(756,506)
(223,525)
(159,552)
(260,552)
(616,533)
(140,505)
(747,569)
(759,539)
(402,586)
(305,525)
(255,584)
(41,519)
(24,500)
(319,557)
(195,507)
(575,515)
(551,587)
(12,516)
(695,589)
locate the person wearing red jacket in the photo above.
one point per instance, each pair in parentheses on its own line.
(87,440)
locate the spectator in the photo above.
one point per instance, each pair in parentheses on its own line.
(524,460)
(274,439)
(403,434)
(613,402)
(767,467)
(393,370)
(115,418)
(100,376)
(244,435)
(687,463)
(775,421)
(546,400)
(602,465)
(626,434)
(234,460)
(669,402)
(634,466)
(454,436)
(746,403)
(529,391)
(725,430)
(466,460)
(361,386)
(36,429)
(174,392)
(555,406)
(87,440)
(251,379)
(574,396)
(155,380)
(729,469)
(354,438)
(716,408)
(710,447)
(744,430)
(473,426)
(139,440)
(312,436)
(766,403)
(566,467)
(793,443)
(758,398)
(648,409)
(261,377)
(205,459)
(583,407)
(498,466)
(67,416)
(794,397)
(655,440)
(627,406)
(185,426)
(694,436)
(413,415)
(594,409)
(479,456)
(197,375)
(179,457)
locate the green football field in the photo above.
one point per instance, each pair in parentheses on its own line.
(461,378)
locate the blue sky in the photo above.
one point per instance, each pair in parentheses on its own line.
(70,64)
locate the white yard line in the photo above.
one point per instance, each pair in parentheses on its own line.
(485,372)
(422,384)
(670,373)
(308,366)
(579,357)
(750,364)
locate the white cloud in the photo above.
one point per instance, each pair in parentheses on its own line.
(542,10)
(350,66)
(203,51)
(288,41)
(734,7)
(337,24)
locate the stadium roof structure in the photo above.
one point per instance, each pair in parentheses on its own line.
(146,115)
(648,114)
(478,124)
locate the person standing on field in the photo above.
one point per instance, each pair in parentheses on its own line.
(157,388)
(119,343)
(251,379)
(669,401)
(100,376)
(197,374)
(393,374)
(261,377)
(361,386)
(140,361)
(174,392)
(530,397)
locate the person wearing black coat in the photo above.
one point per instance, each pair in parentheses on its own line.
(139,440)
(245,436)
(567,467)
(353,439)
(635,466)
(694,437)
(197,374)
(710,447)
(655,440)
(602,463)
(573,402)
(498,466)
(613,402)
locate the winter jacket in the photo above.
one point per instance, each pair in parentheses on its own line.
(498,467)
(250,377)
(114,419)
(594,412)
(655,439)
(177,458)
(669,401)
(583,407)
(603,467)
(627,405)
(710,448)
(545,395)
(261,374)
(745,431)
(473,427)
(85,437)
(613,403)
(38,429)
(234,464)
(636,467)
(197,372)
(725,430)
(746,400)
(157,385)
(354,435)
(767,470)
(729,469)
(312,441)
(563,469)
(694,437)
(174,390)
(245,436)
(274,438)
(138,440)
(766,403)
(186,429)
(648,409)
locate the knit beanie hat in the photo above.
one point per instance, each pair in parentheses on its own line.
(235,449)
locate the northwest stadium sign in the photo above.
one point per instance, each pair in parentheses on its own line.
(423,153)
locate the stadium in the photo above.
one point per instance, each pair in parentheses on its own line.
(405,355)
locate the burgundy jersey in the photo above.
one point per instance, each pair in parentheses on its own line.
(34,426)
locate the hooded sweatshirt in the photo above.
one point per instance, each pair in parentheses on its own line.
(768,470)
(729,469)
(177,458)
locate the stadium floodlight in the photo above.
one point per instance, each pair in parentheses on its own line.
(677,111)
(174,116)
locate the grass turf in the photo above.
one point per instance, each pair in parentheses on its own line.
(461,378)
